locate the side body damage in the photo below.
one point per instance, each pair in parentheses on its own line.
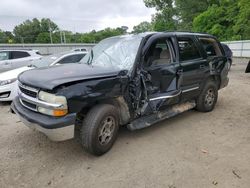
(127,80)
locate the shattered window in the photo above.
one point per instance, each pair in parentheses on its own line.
(116,52)
(188,49)
(211,46)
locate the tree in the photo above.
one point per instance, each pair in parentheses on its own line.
(188,10)
(29,30)
(164,19)
(142,27)
(219,20)
(6,37)
(43,38)
(242,23)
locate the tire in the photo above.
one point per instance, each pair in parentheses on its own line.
(230,65)
(99,129)
(208,97)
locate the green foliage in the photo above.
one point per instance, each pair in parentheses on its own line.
(187,11)
(97,36)
(6,37)
(43,38)
(242,22)
(227,21)
(163,20)
(29,30)
(142,27)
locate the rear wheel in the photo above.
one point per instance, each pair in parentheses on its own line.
(99,129)
(208,97)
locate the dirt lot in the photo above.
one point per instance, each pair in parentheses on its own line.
(192,150)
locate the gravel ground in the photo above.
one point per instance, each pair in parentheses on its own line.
(188,151)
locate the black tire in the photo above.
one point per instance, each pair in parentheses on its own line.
(230,64)
(208,97)
(95,135)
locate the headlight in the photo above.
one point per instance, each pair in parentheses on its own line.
(53,99)
(6,82)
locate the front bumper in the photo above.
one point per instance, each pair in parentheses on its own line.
(57,129)
(8,92)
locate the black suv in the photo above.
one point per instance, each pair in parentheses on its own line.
(132,80)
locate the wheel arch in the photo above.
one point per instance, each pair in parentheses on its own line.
(119,103)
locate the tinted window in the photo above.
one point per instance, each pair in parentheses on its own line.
(210,46)
(19,54)
(188,49)
(71,59)
(4,56)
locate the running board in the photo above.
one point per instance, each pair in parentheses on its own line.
(149,120)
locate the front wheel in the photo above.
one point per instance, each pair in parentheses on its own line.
(99,129)
(208,97)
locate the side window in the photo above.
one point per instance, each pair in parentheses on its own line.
(4,56)
(210,46)
(188,49)
(19,54)
(71,59)
(159,53)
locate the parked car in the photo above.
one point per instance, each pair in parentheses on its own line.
(133,80)
(228,53)
(80,50)
(12,59)
(8,80)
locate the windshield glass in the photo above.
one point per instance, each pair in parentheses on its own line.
(116,52)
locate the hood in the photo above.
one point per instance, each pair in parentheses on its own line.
(50,77)
(12,74)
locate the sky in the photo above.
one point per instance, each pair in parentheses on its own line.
(75,15)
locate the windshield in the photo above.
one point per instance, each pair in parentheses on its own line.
(116,52)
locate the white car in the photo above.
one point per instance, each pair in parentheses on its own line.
(8,80)
(12,59)
(79,50)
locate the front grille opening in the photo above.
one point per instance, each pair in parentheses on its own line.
(5,95)
(29,105)
(28,92)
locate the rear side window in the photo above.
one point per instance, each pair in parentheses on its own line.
(71,59)
(19,54)
(188,49)
(210,46)
(4,56)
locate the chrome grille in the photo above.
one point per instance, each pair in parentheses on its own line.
(29,92)
(32,92)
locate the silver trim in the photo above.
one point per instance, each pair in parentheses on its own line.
(191,89)
(35,110)
(165,97)
(28,88)
(172,96)
(39,103)
(59,134)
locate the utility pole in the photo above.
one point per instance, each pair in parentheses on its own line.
(50,34)
(61,36)
(64,37)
